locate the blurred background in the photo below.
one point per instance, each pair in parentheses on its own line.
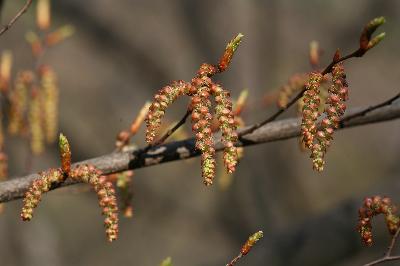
(124,51)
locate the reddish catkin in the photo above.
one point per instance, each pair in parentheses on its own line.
(50,101)
(335,108)
(19,102)
(201,125)
(227,125)
(323,95)
(106,195)
(165,97)
(38,187)
(225,179)
(374,206)
(81,173)
(310,112)
(35,122)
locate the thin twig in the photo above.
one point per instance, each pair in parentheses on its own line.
(370,109)
(273,116)
(388,255)
(173,129)
(234,260)
(169,132)
(17,16)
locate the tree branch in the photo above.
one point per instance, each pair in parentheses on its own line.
(180,150)
(16,17)
(371,108)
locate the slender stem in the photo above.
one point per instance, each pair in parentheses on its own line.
(273,116)
(388,255)
(392,243)
(357,53)
(16,17)
(173,129)
(382,260)
(169,132)
(234,260)
(370,109)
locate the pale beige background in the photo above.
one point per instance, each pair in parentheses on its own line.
(124,51)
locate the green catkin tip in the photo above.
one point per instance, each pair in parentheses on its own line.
(65,153)
(376,22)
(63,141)
(376,40)
(235,42)
(253,239)
(229,51)
(365,40)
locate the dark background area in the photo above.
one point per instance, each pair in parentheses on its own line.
(124,51)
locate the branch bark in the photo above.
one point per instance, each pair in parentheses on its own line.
(180,150)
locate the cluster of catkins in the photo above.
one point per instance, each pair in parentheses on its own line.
(317,136)
(34,108)
(298,81)
(32,99)
(374,206)
(81,173)
(200,89)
